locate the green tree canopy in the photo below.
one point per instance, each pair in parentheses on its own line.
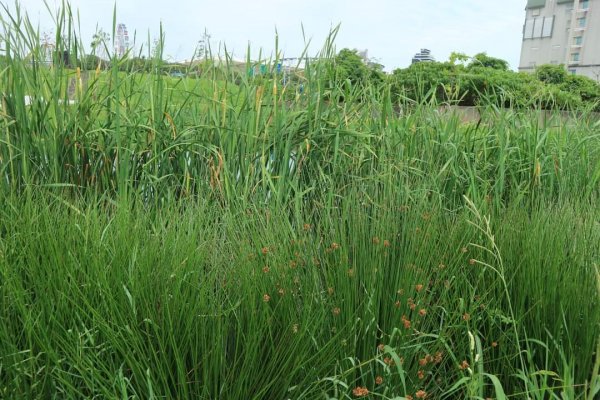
(483,60)
(555,74)
(350,66)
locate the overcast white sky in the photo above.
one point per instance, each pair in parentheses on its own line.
(392,30)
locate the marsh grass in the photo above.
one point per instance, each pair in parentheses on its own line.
(231,237)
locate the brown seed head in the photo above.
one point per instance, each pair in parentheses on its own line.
(360,391)
(406,323)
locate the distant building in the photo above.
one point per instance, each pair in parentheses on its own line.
(121,41)
(562,32)
(364,54)
(424,55)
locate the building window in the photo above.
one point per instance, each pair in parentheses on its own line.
(548,25)
(581,22)
(538,27)
(575,57)
(585,4)
(528,32)
(578,40)
(572,71)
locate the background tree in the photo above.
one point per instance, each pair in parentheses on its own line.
(203,47)
(99,44)
(483,60)
(349,66)
(457,57)
(554,74)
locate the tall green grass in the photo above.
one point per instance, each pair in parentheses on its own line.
(199,301)
(232,237)
(252,137)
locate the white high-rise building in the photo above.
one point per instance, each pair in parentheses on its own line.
(562,32)
(423,56)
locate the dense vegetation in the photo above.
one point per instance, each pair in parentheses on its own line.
(230,237)
(473,81)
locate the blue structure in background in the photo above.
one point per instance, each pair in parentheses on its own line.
(263,69)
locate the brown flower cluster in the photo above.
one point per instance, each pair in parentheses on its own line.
(360,391)
(406,322)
